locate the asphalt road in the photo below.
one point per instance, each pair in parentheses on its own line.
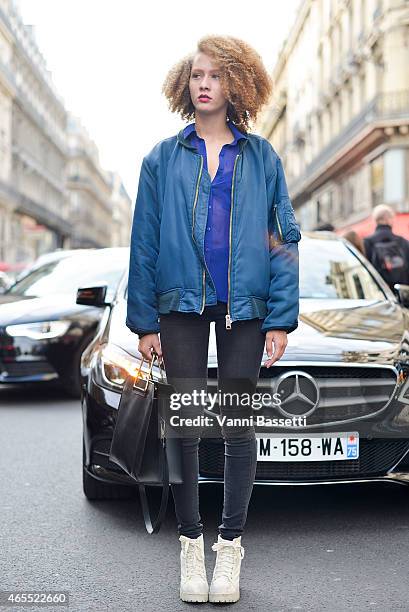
(306,548)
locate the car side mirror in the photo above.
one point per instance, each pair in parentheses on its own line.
(92,296)
(402,292)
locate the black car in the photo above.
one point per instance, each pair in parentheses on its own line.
(43,331)
(343,383)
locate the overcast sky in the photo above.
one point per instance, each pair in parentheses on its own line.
(109,59)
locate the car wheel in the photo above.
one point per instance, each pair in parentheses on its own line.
(96,490)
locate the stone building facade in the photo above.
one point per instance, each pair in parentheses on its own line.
(53,192)
(339,116)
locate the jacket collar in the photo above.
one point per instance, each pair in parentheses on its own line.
(383,226)
(183,136)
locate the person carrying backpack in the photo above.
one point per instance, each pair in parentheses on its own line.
(387,252)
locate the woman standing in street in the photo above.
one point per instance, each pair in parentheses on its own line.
(214,238)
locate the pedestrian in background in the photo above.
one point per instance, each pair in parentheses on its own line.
(214,238)
(388,252)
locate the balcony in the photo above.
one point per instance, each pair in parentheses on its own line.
(390,107)
(42,214)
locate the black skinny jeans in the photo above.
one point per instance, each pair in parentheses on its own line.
(185,340)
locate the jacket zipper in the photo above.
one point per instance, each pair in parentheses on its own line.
(228,317)
(193,237)
(278,223)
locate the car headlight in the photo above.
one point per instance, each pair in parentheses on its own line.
(113,365)
(42,330)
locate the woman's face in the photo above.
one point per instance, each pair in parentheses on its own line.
(205,80)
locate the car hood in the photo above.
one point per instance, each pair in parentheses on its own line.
(329,330)
(16,309)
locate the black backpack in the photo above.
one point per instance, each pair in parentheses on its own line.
(389,259)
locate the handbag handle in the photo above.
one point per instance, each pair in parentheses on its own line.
(160,361)
(149,379)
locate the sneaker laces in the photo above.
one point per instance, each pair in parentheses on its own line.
(194,559)
(226,558)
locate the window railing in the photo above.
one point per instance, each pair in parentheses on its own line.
(388,105)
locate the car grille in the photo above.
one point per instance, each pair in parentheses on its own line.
(375,458)
(345,392)
(16,369)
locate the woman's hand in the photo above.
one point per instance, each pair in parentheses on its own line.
(279,337)
(149,342)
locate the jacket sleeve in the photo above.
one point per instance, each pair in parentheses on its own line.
(284,235)
(142,313)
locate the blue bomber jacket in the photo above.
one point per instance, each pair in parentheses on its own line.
(167,267)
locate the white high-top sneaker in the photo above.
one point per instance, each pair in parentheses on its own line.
(193,580)
(225,585)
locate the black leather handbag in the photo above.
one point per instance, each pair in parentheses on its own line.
(139,444)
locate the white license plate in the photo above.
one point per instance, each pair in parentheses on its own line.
(330,447)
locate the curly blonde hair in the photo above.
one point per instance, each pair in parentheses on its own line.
(244,80)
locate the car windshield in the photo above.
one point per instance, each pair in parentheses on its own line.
(66,275)
(328,269)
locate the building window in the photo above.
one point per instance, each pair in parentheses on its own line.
(350,104)
(362,86)
(377,170)
(319,132)
(347,198)
(363,15)
(329,116)
(350,199)
(351,24)
(394,176)
(337,112)
(340,41)
(320,69)
(330,212)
